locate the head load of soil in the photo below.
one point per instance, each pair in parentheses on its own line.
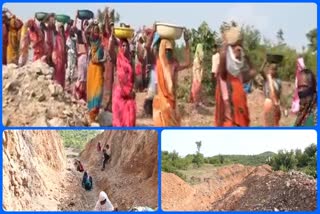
(38,173)
(242,188)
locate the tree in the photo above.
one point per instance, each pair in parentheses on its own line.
(284,161)
(174,155)
(198,143)
(77,139)
(252,44)
(198,158)
(311,150)
(312,37)
(252,37)
(113,15)
(280,37)
(221,159)
(310,55)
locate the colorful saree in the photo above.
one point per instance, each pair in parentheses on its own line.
(13,40)
(37,39)
(197,72)
(123,103)
(95,79)
(165,112)
(295,101)
(59,60)
(238,103)
(307,115)
(4,43)
(109,66)
(24,46)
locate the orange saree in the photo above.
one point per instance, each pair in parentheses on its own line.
(165,112)
(238,104)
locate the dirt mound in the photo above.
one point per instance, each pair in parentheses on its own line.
(214,185)
(224,178)
(176,193)
(131,176)
(31,98)
(275,191)
(244,188)
(29,159)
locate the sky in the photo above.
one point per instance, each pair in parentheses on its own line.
(295,19)
(241,142)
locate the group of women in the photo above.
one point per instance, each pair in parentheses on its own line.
(87,53)
(232,74)
(109,70)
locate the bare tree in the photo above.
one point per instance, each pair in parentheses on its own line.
(198,143)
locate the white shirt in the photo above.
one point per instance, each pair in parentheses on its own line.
(215,62)
(108,151)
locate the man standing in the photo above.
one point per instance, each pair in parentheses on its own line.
(106,156)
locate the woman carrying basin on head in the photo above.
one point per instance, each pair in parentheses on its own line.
(123,95)
(37,40)
(231,99)
(165,112)
(95,71)
(59,55)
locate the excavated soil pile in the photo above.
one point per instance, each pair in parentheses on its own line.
(31,98)
(32,160)
(238,187)
(277,191)
(176,193)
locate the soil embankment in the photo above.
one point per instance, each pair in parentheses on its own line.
(239,187)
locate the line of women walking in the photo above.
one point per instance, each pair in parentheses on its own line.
(93,54)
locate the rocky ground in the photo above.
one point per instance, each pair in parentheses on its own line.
(240,188)
(31,98)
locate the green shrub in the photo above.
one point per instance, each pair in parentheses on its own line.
(77,139)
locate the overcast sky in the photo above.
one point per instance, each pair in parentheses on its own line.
(245,142)
(296,19)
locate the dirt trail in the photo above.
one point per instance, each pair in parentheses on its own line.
(26,103)
(239,187)
(39,173)
(204,115)
(75,198)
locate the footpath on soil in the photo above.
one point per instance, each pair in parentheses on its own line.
(31,98)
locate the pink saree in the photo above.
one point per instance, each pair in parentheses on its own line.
(123,104)
(59,60)
(295,101)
